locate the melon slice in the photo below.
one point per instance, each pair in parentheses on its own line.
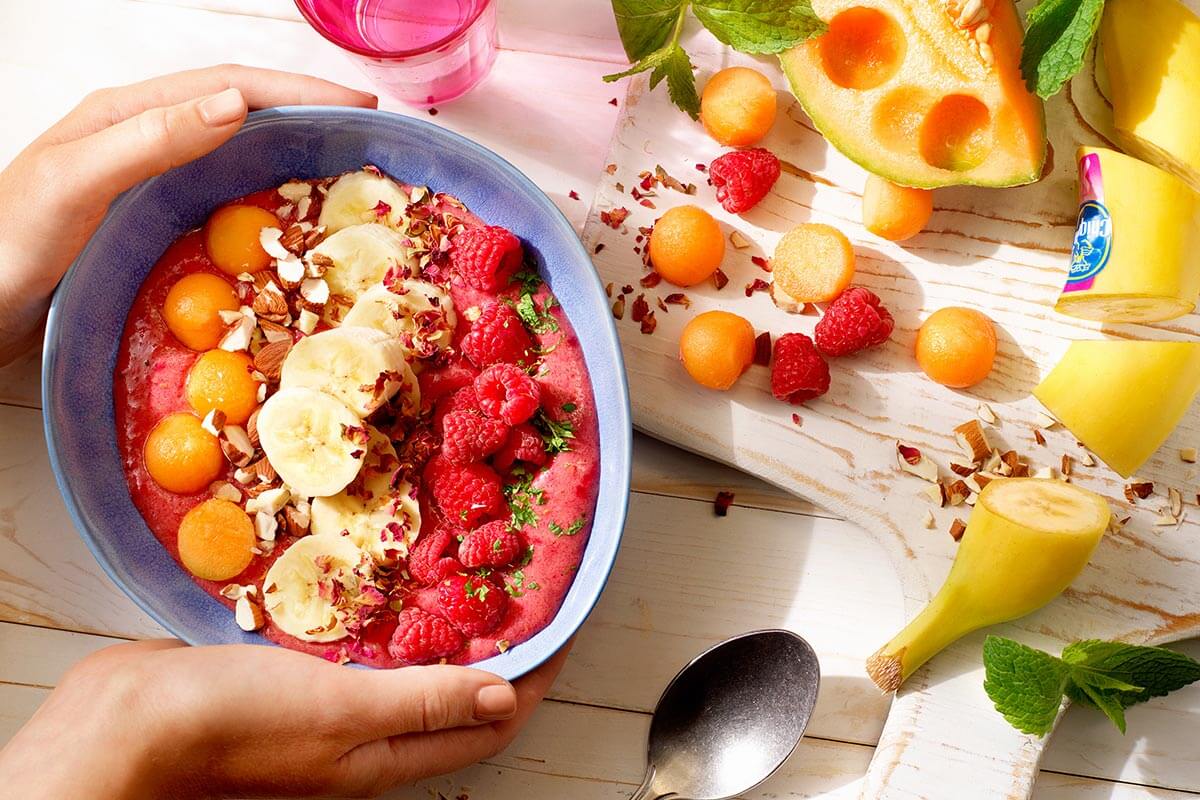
(925,93)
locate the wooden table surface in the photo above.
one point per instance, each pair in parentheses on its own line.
(685,578)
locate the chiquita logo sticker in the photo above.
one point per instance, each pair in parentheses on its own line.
(1093,230)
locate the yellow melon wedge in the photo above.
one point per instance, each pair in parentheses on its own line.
(904,91)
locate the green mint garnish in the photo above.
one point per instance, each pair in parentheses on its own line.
(572,529)
(528,277)
(650,31)
(522,497)
(1057,36)
(526,557)
(1027,686)
(538,320)
(569,407)
(556,436)
(519,585)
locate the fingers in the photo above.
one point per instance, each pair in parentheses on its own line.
(262,88)
(114,159)
(421,699)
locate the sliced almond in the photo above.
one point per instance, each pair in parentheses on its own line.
(268,239)
(936,494)
(260,470)
(738,240)
(224,490)
(1039,437)
(274,332)
(291,272)
(235,444)
(1043,472)
(957,529)
(986,414)
(296,521)
(1087,460)
(972,440)
(269,359)
(982,479)
(1044,420)
(911,461)
(1175,498)
(1188,455)
(957,493)
(1138,490)
(315,291)
(252,428)
(295,191)
(237,337)
(232,591)
(248,614)
(785,302)
(270,502)
(962,469)
(929,520)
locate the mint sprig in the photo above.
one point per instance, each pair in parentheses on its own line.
(650,31)
(1058,34)
(1027,685)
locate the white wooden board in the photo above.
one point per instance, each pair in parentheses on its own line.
(1004,252)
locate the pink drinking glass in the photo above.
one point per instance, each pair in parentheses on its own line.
(421,52)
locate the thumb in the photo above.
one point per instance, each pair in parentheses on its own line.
(418,699)
(114,159)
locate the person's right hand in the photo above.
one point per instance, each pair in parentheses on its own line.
(159,719)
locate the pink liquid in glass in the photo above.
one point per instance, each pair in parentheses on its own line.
(420,51)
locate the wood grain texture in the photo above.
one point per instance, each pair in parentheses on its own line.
(1002,251)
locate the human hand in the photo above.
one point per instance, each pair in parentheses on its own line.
(158,719)
(55,192)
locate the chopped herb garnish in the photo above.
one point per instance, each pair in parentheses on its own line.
(519,586)
(538,320)
(522,497)
(569,407)
(572,529)
(555,435)
(526,557)
(529,278)
(479,592)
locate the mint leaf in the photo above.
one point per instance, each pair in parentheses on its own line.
(681,81)
(1057,36)
(1026,685)
(538,320)
(652,62)
(759,26)
(1089,685)
(556,436)
(646,25)
(1145,671)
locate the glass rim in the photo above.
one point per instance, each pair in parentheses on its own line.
(317,26)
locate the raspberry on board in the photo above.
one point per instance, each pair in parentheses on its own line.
(428,562)
(853,322)
(799,373)
(490,545)
(469,436)
(467,493)
(473,604)
(422,638)
(507,392)
(497,336)
(486,257)
(743,177)
(524,444)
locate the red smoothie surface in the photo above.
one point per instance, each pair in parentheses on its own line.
(149,383)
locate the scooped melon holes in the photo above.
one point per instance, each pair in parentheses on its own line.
(896,120)
(863,48)
(957,133)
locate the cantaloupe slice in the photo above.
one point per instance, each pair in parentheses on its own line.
(925,93)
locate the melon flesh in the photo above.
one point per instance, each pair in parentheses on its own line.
(899,88)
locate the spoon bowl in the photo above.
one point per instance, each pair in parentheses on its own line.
(731,717)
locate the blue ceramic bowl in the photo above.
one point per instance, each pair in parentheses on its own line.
(89,309)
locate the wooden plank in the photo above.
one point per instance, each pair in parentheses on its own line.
(36,656)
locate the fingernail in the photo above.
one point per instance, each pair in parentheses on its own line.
(495,703)
(222,108)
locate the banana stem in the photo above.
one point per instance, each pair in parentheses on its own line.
(941,623)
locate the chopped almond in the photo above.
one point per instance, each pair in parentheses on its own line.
(912,462)
(1188,455)
(986,414)
(972,440)
(957,529)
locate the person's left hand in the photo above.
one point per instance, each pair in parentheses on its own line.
(55,193)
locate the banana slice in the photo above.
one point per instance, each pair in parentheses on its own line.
(362,367)
(362,256)
(354,199)
(380,520)
(309,437)
(312,586)
(418,313)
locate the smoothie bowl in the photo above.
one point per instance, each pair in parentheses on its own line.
(322,388)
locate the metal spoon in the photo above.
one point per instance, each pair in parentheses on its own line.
(731,717)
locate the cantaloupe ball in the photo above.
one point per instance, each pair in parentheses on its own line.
(215,539)
(222,380)
(231,238)
(738,106)
(895,212)
(686,245)
(716,348)
(956,346)
(181,456)
(192,308)
(813,263)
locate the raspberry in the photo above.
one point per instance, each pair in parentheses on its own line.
(854,321)
(496,336)
(468,436)
(743,177)
(486,257)
(466,493)
(799,372)
(421,638)
(473,604)
(491,545)
(507,392)
(524,444)
(428,562)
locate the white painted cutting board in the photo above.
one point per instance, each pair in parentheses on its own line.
(1002,251)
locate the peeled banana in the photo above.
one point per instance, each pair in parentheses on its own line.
(1027,539)
(1136,256)
(298,590)
(362,367)
(309,438)
(419,314)
(356,197)
(1122,399)
(377,518)
(361,256)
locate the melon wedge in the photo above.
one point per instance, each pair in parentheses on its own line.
(905,92)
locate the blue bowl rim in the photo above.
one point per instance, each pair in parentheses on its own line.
(554,215)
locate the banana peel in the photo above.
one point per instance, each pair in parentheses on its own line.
(1027,539)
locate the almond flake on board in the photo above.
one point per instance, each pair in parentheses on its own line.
(1038,437)
(972,440)
(957,493)
(986,414)
(957,529)
(738,240)
(935,493)
(929,521)
(1138,490)
(1175,498)
(1043,472)
(1188,455)
(248,614)
(962,469)
(1067,465)
(1087,460)
(913,462)
(1044,420)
